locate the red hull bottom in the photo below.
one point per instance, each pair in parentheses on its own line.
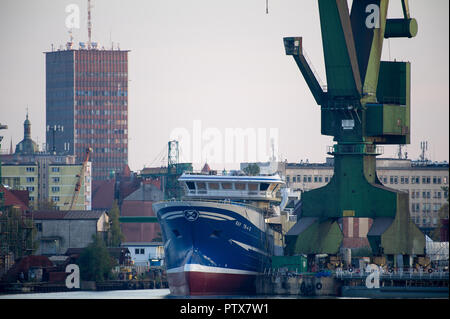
(196,283)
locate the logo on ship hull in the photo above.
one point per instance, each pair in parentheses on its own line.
(191,215)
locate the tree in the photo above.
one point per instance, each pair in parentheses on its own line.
(44,204)
(115,236)
(95,262)
(252,169)
(158,237)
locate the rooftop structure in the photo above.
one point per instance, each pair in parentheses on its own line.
(27,146)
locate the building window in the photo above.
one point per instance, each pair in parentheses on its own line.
(309,179)
(55,169)
(55,199)
(391,180)
(320,179)
(39,227)
(30,179)
(294,179)
(56,179)
(55,189)
(287,179)
(30,169)
(326,179)
(139,251)
(315,179)
(31,198)
(415,207)
(30,188)
(426,194)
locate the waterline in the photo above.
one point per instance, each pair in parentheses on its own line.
(112,294)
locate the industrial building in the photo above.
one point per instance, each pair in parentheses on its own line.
(423,180)
(87,105)
(59,231)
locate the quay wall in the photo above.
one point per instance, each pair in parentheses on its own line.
(306,285)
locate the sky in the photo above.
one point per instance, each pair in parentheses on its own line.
(207,67)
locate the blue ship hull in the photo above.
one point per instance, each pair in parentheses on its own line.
(213,248)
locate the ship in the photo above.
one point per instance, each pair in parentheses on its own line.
(216,239)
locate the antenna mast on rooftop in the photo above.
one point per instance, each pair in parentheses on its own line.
(89,24)
(424,148)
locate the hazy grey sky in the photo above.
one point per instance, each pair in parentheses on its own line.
(220,62)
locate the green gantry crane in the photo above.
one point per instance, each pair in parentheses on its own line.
(366,103)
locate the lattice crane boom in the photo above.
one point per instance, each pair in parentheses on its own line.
(80,178)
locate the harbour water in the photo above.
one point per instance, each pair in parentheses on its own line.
(139,294)
(112,294)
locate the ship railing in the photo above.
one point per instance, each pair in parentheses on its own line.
(398,274)
(265,195)
(346,274)
(227,173)
(217,201)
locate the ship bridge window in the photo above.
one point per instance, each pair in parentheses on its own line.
(264,186)
(252,187)
(227,185)
(190,185)
(239,186)
(213,186)
(201,185)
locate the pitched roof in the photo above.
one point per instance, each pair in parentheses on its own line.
(23,195)
(206,168)
(12,200)
(77,214)
(103,194)
(146,192)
